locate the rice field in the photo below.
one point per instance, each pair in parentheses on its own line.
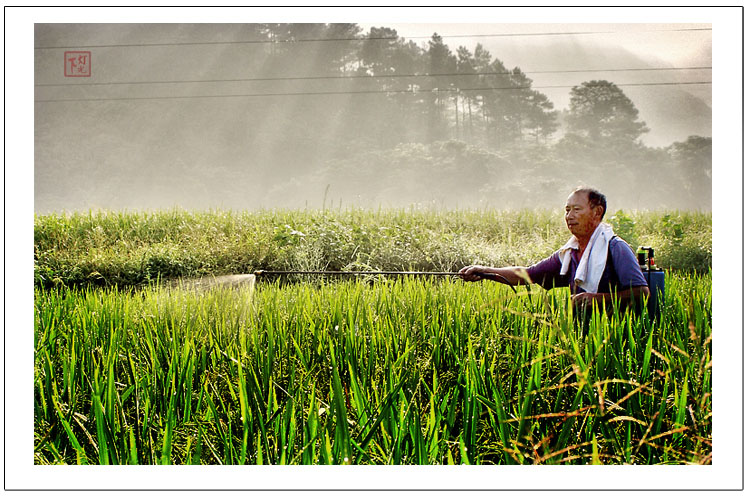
(365,371)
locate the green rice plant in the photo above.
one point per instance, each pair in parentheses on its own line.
(398,371)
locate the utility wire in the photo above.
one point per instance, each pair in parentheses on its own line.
(373,78)
(364,38)
(323,93)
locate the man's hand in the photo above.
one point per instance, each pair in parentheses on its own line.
(585,300)
(472,273)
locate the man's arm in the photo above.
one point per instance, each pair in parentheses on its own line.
(545,273)
(510,275)
(626,298)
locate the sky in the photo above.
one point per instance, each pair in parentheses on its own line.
(658,41)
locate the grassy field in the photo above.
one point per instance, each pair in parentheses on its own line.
(120,248)
(367,371)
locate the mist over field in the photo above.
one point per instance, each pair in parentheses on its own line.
(248,116)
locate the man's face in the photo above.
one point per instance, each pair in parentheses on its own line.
(581,219)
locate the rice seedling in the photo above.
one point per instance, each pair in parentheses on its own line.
(386,371)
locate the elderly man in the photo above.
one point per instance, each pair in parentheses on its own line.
(594,263)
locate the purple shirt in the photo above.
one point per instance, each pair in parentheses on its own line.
(621,271)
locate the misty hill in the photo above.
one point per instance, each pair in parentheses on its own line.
(672,113)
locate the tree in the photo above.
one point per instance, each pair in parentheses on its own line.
(293,47)
(441,61)
(378,51)
(531,110)
(497,103)
(384,120)
(600,110)
(337,57)
(693,160)
(466,67)
(470,64)
(540,120)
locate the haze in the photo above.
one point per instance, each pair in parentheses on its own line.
(192,116)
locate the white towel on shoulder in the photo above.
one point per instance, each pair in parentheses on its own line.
(594,258)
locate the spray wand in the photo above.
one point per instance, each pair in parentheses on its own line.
(482,275)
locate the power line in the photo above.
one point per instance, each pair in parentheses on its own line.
(307,78)
(364,38)
(323,93)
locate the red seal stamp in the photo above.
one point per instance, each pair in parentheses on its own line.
(77,64)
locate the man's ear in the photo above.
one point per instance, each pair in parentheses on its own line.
(599,209)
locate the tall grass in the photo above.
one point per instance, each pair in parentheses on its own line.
(406,371)
(120,248)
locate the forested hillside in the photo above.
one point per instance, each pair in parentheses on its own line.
(327,113)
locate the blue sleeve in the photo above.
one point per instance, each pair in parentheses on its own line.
(626,266)
(547,272)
